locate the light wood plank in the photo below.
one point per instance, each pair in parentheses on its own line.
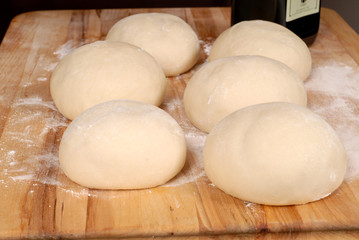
(37,199)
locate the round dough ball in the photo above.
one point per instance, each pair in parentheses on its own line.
(103,71)
(122,144)
(166,37)
(275,154)
(225,85)
(258,37)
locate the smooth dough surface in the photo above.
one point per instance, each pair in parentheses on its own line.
(225,85)
(258,37)
(122,144)
(165,36)
(275,154)
(103,71)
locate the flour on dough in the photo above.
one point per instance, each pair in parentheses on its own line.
(122,144)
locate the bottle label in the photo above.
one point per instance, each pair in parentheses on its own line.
(301,8)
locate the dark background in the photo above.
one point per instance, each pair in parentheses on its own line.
(11,8)
(348,9)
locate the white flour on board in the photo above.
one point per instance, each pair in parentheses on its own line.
(19,138)
(195,142)
(65,49)
(338,82)
(207,45)
(61,52)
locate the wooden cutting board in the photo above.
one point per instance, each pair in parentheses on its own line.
(38,200)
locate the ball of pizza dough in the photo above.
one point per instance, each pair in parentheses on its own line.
(275,154)
(258,37)
(165,36)
(103,71)
(225,85)
(122,144)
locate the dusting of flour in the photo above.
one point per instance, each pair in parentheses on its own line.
(65,49)
(207,45)
(338,87)
(22,139)
(195,138)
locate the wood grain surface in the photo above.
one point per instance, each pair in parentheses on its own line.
(38,200)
